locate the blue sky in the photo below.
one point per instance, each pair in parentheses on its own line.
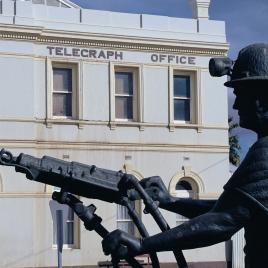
(246,23)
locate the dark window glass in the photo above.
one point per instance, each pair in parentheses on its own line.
(124,107)
(68,229)
(62,79)
(124,83)
(182,109)
(62,104)
(62,92)
(69,233)
(181,86)
(184,185)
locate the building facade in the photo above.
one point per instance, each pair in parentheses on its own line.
(121,91)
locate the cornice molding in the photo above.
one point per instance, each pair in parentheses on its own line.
(113,146)
(40,35)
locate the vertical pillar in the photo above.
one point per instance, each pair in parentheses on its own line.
(238,255)
(200,8)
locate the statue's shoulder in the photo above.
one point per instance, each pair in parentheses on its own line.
(251,177)
(253,168)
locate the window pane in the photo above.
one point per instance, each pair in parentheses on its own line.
(62,79)
(70,215)
(62,104)
(124,221)
(124,83)
(127,227)
(181,86)
(124,107)
(182,110)
(69,233)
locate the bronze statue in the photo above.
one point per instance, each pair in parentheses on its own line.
(244,202)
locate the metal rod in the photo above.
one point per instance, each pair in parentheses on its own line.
(152,208)
(142,229)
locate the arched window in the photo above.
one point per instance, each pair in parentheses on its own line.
(186,187)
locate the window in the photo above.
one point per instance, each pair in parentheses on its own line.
(70,224)
(126,94)
(68,230)
(184,189)
(182,98)
(183,108)
(124,222)
(64,90)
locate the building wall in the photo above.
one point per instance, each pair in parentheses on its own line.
(153,145)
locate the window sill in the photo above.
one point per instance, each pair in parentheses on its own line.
(63,120)
(113,124)
(182,124)
(127,123)
(66,247)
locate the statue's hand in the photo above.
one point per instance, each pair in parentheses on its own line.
(121,244)
(157,190)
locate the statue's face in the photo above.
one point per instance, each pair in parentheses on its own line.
(252,107)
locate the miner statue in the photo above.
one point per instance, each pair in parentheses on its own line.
(244,201)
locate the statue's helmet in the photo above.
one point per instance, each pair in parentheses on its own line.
(251,65)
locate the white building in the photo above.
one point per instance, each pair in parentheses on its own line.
(122,91)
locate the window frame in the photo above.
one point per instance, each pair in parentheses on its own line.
(137,93)
(76,230)
(121,220)
(74,69)
(133,96)
(194,96)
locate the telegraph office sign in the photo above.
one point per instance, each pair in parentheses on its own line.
(115,55)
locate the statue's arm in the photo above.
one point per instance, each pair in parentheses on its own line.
(187,207)
(228,216)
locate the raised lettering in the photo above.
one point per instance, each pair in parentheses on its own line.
(191,60)
(118,55)
(92,54)
(183,60)
(170,58)
(59,51)
(102,54)
(162,57)
(76,52)
(84,53)
(65,52)
(110,54)
(154,57)
(50,49)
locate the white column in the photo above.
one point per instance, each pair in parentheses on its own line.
(237,252)
(200,8)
